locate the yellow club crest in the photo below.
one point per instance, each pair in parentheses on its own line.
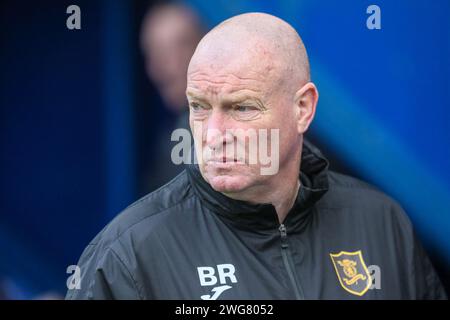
(352,272)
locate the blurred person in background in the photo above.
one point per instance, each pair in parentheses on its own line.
(169,34)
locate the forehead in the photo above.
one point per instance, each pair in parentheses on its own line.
(230,78)
(201,83)
(229,62)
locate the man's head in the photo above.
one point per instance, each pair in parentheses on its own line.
(169,35)
(251,72)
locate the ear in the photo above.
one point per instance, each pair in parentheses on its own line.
(305,102)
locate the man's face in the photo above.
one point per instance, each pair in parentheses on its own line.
(232,98)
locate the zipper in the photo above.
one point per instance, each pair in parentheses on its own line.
(289,263)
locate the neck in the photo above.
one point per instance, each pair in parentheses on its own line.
(285,201)
(281,192)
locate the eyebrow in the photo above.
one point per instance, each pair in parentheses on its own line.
(192,94)
(196,98)
(235,97)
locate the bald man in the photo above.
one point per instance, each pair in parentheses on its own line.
(258,215)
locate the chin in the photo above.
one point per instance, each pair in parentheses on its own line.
(229,184)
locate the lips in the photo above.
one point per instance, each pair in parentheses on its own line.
(224,160)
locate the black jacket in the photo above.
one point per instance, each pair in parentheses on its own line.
(341,240)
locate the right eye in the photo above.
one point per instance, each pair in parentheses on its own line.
(196,107)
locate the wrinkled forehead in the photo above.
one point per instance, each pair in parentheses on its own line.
(212,80)
(231,69)
(225,89)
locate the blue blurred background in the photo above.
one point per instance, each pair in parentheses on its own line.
(79,118)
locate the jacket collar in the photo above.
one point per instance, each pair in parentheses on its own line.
(242,214)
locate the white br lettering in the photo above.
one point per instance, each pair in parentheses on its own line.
(207,276)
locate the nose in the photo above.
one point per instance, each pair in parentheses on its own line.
(217,135)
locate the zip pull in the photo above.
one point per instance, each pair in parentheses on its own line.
(283,233)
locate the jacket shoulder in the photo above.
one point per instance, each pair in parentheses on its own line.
(349,191)
(383,220)
(111,253)
(354,195)
(147,212)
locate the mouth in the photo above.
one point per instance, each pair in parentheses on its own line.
(224,160)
